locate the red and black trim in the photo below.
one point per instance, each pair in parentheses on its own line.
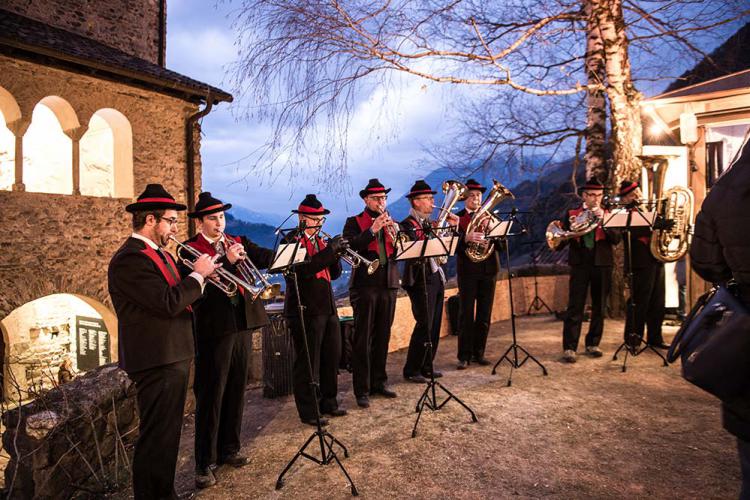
(207,205)
(373,187)
(420,187)
(311,206)
(627,187)
(593,184)
(154,197)
(473,185)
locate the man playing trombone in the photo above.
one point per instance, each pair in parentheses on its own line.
(428,317)
(371,234)
(223,323)
(321,324)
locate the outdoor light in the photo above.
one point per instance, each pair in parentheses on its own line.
(688,128)
(655,129)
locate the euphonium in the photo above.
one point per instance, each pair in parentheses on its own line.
(477,252)
(669,245)
(454,192)
(580,224)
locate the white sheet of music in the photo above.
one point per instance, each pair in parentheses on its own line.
(284,255)
(619,218)
(435,247)
(500,229)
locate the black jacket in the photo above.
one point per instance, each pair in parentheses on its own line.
(721,250)
(216,314)
(154,324)
(601,255)
(412,275)
(316,292)
(488,268)
(386,276)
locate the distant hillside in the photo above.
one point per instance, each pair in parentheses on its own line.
(259,233)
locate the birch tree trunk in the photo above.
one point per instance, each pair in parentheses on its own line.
(596,103)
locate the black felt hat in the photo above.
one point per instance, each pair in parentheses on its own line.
(420,187)
(208,205)
(373,187)
(626,187)
(311,206)
(472,184)
(592,184)
(154,197)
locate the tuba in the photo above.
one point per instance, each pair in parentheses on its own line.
(581,224)
(454,192)
(477,252)
(669,245)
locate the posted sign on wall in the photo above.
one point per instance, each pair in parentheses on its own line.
(93,343)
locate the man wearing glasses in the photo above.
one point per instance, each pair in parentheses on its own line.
(427,316)
(321,322)
(155,334)
(373,296)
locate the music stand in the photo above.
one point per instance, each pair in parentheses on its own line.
(537,303)
(626,220)
(500,233)
(285,260)
(421,251)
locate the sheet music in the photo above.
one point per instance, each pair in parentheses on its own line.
(284,255)
(435,247)
(619,218)
(500,229)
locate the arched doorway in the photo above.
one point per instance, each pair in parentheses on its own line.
(39,335)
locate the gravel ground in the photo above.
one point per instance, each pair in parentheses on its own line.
(585,431)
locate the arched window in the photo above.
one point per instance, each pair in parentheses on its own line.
(47,151)
(106,164)
(7,155)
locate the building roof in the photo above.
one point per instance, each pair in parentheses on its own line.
(26,38)
(740,80)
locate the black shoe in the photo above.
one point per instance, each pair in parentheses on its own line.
(435,374)
(385,392)
(659,345)
(363,401)
(311,421)
(482,361)
(417,379)
(462,365)
(336,412)
(204,477)
(234,460)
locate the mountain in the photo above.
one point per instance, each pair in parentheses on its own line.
(262,234)
(245,214)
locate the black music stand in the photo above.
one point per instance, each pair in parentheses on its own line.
(626,221)
(285,261)
(500,233)
(421,251)
(537,303)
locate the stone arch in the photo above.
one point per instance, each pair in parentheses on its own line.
(40,332)
(10,118)
(64,112)
(121,160)
(9,106)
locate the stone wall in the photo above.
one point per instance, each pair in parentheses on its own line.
(129,25)
(76,440)
(552,289)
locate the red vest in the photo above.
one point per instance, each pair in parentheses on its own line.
(418,230)
(173,277)
(599,232)
(364,220)
(204,246)
(324,274)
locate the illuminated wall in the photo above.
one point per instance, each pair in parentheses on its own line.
(7,155)
(97,159)
(47,166)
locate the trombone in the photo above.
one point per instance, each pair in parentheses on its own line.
(353,258)
(251,274)
(226,282)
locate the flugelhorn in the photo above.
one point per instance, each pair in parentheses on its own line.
(390,228)
(251,274)
(226,281)
(580,224)
(353,258)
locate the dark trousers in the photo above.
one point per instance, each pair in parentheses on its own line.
(161,395)
(599,280)
(648,311)
(428,318)
(324,344)
(221,366)
(479,292)
(373,309)
(744,451)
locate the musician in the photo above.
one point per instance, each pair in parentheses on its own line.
(721,251)
(321,324)
(476,285)
(373,296)
(648,291)
(591,260)
(223,327)
(428,317)
(154,315)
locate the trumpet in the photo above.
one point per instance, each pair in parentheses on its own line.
(392,231)
(353,258)
(251,274)
(226,282)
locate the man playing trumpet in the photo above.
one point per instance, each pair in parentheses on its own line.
(321,325)
(590,259)
(428,317)
(373,296)
(223,326)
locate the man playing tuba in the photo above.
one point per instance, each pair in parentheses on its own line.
(590,259)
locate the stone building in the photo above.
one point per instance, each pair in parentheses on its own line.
(88,116)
